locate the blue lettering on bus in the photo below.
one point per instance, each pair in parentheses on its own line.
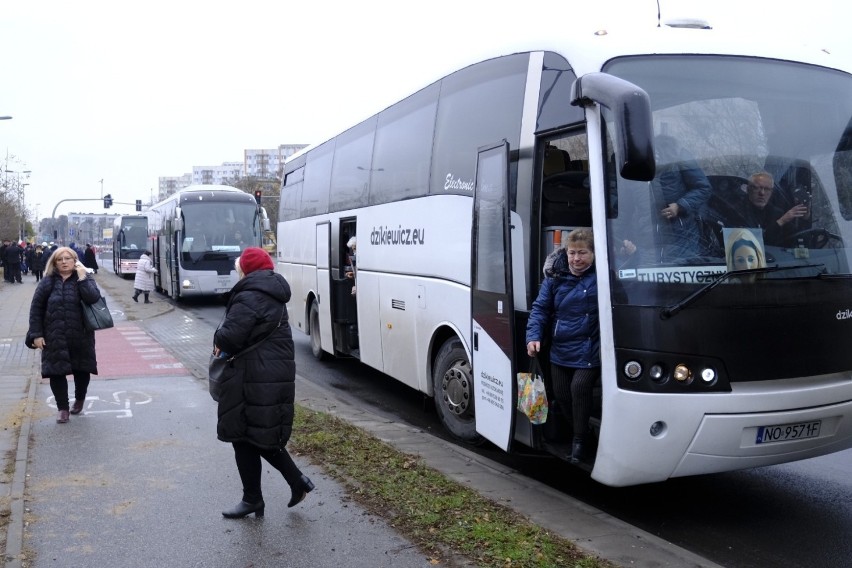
(399,236)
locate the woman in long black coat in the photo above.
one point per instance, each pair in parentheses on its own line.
(56,327)
(257,395)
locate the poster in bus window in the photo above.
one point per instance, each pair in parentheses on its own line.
(744,248)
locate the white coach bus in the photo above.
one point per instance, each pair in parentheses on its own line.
(458,192)
(197,233)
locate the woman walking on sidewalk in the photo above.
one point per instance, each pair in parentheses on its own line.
(257,395)
(144,281)
(56,328)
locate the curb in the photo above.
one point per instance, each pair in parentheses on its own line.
(15,530)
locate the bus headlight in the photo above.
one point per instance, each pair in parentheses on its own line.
(633,370)
(682,373)
(657,373)
(708,375)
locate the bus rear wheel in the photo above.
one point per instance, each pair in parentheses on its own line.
(453,391)
(316,340)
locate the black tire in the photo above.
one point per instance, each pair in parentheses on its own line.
(316,340)
(452,382)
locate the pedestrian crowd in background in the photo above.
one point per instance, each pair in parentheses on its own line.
(21,258)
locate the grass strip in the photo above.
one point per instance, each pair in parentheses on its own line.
(448,521)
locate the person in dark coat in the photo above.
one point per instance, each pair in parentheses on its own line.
(566,311)
(13,255)
(56,327)
(89,258)
(256,401)
(38,262)
(757,212)
(680,191)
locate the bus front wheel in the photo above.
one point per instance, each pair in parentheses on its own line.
(316,340)
(453,386)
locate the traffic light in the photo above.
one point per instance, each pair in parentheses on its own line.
(107,201)
(258,194)
(139,205)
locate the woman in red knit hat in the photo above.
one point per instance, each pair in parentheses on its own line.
(257,396)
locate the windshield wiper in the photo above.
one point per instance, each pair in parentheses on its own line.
(674,309)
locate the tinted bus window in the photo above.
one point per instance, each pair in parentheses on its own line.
(291,195)
(557,77)
(350,176)
(317,181)
(480,105)
(403,148)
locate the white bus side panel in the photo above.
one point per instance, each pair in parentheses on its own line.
(297,262)
(414,256)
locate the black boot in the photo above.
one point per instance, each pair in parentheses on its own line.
(300,491)
(578,450)
(147,301)
(243,509)
(136,296)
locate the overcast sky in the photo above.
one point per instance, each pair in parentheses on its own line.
(128,92)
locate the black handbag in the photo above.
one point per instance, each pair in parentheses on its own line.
(96,316)
(219,364)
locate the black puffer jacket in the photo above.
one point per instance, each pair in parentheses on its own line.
(256,399)
(56,316)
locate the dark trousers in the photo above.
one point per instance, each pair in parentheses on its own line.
(250,468)
(13,273)
(59,388)
(573,390)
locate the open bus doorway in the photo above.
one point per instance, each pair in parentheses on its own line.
(345,292)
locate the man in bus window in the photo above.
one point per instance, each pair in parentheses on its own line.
(758,212)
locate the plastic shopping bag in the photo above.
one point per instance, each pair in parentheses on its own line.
(532,398)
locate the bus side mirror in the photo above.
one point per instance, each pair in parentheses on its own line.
(634,125)
(178,224)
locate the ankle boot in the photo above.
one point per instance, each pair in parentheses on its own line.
(136,297)
(77,407)
(244,509)
(147,301)
(301,490)
(62,417)
(578,450)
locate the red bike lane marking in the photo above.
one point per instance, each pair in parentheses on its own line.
(126,350)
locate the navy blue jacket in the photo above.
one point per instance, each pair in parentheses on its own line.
(567,309)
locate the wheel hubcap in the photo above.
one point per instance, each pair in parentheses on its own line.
(457,388)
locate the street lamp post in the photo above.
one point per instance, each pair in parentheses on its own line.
(23,212)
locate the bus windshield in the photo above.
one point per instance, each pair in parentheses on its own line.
(133,237)
(754,170)
(218,229)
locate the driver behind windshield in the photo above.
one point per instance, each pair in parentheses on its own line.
(758,212)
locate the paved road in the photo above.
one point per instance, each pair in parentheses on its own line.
(139,480)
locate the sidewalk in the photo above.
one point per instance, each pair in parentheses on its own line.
(167,449)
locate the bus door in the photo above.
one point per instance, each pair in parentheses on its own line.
(323,282)
(491,298)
